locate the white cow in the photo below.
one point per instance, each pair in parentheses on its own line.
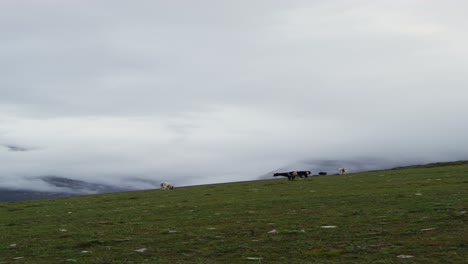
(166,186)
(342,171)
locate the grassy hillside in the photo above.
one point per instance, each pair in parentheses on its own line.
(379,217)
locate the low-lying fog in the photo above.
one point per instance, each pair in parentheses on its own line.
(134,93)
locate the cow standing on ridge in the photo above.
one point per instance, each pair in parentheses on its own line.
(342,171)
(303,173)
(167,186)
(293,174)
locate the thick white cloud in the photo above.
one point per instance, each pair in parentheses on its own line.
(208,91)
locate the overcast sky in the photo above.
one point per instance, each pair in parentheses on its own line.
(208,91)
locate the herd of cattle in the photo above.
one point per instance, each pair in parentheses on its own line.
(291,175)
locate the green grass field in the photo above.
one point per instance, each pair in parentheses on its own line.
(378,217)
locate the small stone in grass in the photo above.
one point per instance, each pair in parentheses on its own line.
(405,256)
(253,258)
(141,250)
(428,229)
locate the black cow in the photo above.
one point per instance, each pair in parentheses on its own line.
(322,173)
(291,175)
(303,173)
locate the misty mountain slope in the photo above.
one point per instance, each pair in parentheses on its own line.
(7,195)
(55,186)
(80,187)
(14,148)
(59,187)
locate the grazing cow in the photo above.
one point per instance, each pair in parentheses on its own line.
(303,173)
(291,175)
(322,173)
(167,186)
(342,171)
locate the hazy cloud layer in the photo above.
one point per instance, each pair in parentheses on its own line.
(211,91)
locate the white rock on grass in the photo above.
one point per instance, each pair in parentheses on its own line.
(405,256)
(254,258)
(285,231)
(141,250)
(428,229)
(328,226)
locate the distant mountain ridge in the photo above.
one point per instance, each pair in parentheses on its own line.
(80,187)
(7,195)
(62,187)
(15,148)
